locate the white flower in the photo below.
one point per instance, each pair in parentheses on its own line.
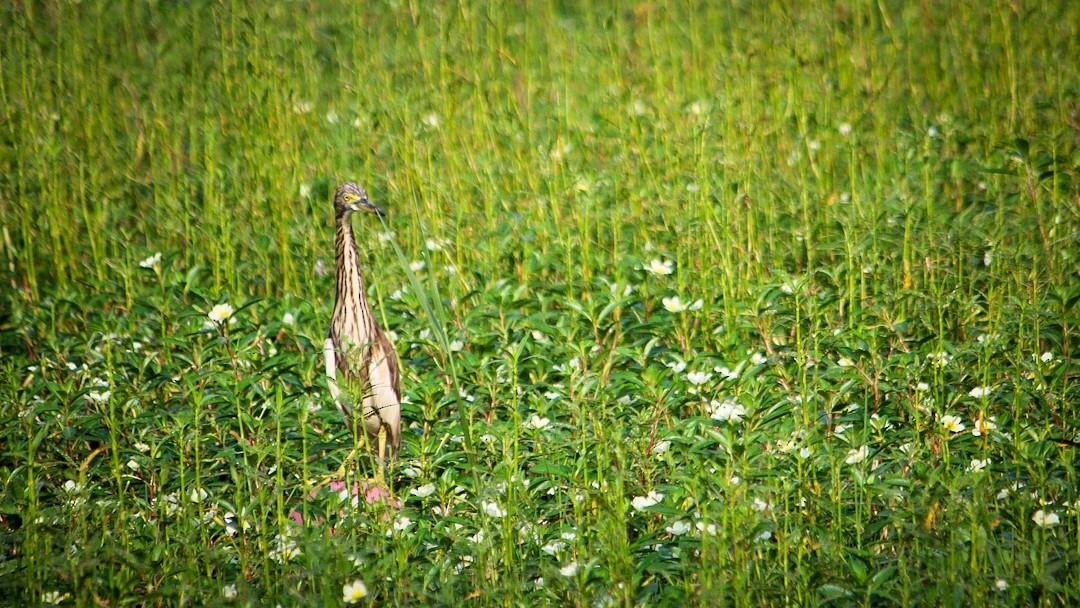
(1045,358)
(644,502)
(758,359)
(760,505)
(1004,492)
(417,265)
(953,424)
(423,491)
(220,313)
(553,547)
(229,592)
(492,509)
(857,455)
(674,304)
(727,373)
(922,386)
(984,426)
(303,107)
(569,569)
(706,528)
(804,453)
(466,561)
(661,447)
(101,397)
(880,423)
(142,447)
(978,465)
(305,190)
(152,261)
(678,528)
(536,422)
(677,366)
(54,597)
(131,464)
(402,523)
(1001,585)
(354,592)
(727,410)
(198,495)
(433,245)
(940,358)
(659,267)
(332,117)
(385,236)
(698,378)
(1044,519)
(288,319)
(431,119)
(845,362)
(845,129)
(980,391)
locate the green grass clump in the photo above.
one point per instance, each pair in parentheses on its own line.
(697,303)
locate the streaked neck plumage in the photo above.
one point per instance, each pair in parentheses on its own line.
(351,301)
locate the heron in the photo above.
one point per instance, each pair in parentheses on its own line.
(361,366)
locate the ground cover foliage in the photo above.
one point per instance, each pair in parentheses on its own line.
(697,303)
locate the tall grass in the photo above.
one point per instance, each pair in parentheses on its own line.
(862,396)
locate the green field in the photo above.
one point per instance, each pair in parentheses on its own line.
(698,303)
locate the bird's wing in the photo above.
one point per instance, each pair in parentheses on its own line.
(391,362)
(385,385)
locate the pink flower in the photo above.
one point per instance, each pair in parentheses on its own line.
(373,494)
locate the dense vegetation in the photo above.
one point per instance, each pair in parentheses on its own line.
(751,303)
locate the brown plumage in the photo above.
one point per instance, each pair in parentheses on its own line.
(361,365)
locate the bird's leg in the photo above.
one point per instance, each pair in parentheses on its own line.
(382,454)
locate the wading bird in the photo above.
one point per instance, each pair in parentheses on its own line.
(361,366)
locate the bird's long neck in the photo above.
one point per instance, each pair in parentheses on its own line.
(352,314)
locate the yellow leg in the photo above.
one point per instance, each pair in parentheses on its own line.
(382,453)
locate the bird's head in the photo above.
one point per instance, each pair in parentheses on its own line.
(351,198)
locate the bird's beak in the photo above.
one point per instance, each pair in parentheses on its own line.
(368,206)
